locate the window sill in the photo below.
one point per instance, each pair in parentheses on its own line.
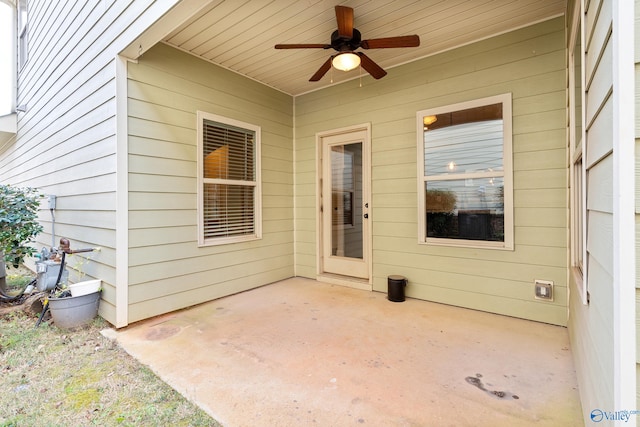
(227,240)
(471,244)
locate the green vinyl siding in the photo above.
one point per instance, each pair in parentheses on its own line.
(66,139)
(167,269)
(529,64)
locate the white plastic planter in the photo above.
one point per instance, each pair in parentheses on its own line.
(86,287)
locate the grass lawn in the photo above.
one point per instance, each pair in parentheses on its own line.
(55,377)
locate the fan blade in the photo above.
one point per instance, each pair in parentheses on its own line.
(321,71)
(303,46)
(371,67)
(344,16)
(387,42)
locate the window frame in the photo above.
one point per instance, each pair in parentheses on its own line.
(507,175)
(201,180)
(22,31)
(578,171)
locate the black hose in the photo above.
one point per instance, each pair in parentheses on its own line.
(11,298)
(45,308)
(61,269)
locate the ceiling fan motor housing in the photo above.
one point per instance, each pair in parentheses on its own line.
(343,44)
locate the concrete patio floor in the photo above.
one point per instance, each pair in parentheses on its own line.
(300,352)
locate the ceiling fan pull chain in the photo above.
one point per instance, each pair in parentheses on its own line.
(360,72)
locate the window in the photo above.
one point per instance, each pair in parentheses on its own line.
(577,240)
(465,178)
(578,171)
(228,180)
(23,53)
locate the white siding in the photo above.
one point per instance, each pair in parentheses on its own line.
(66,139)
(168,270)
(597,333)
(530,64)
(591,326)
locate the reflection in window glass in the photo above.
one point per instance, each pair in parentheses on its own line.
(470,209)
(346,200)
(464,173)
(342,186)
(468,147)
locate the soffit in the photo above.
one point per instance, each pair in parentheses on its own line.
(240,34)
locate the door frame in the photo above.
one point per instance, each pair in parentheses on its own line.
(354,282)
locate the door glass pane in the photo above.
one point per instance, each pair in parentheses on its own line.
(346,200)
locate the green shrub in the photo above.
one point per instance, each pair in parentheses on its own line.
(18,223)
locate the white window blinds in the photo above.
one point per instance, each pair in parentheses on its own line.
(229,186)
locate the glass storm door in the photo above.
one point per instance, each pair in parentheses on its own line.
(344,208)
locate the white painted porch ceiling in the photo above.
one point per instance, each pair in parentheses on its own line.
(240,34)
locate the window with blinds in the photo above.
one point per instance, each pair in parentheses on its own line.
(229,190)
(465,174)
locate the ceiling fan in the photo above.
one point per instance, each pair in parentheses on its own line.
(345,40)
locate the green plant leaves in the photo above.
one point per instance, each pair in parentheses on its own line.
(18,222)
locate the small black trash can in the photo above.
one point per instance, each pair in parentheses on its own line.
(395,290)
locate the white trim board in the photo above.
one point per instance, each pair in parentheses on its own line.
(122,195)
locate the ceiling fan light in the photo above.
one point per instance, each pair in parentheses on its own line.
(346,61)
